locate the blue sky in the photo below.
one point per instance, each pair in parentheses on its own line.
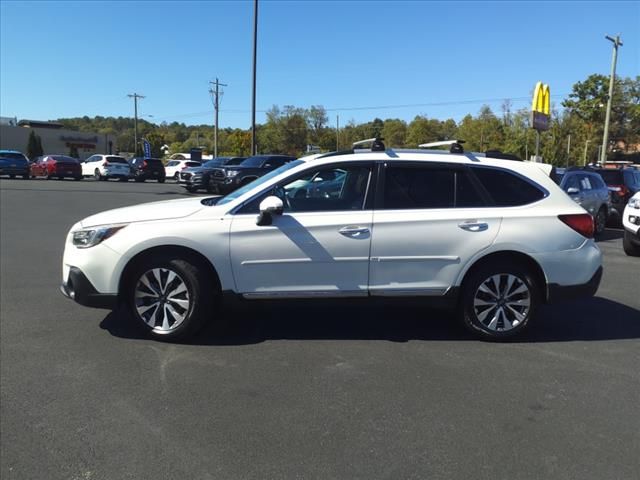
(65,59)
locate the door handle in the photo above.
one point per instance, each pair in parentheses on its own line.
(353,231)
(474,226)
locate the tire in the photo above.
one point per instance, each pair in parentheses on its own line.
(11,175)
(191,189)
(171,298)
(97,176)
(77,179)
(600,221)
(176,177)
(139,179)
(161,180)
(25,176)
(633,250)
(480,292)
(123,179)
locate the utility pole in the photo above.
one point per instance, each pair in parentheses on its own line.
(605,138)
(568,148)
(135,97)
(584,159)
(253,101)
(337,133)
(216,106)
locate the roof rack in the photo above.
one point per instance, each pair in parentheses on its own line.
(455,145)
(376,144)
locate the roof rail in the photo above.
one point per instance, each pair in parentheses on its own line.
(376,144)
(455,145)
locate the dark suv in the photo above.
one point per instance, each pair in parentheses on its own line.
(226,179)
(197,178)
(147,169)
(623,184)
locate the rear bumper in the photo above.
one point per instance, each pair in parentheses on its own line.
(14,171)
(557,293)
(81,290)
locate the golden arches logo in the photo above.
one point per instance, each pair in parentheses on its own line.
(541,99)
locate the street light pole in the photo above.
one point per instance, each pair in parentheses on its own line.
(253,102)
(605,138)
(135,97)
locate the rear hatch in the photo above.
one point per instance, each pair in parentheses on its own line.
(153,167)
(117,165)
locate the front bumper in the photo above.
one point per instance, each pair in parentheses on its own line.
(14,170)
(557,293)
(80,289)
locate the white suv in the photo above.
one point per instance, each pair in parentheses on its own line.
(103,167)
(494,237)
(173,167)
(631,224)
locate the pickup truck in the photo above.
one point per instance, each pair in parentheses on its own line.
(226,179)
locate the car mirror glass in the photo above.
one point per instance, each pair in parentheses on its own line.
(572,190)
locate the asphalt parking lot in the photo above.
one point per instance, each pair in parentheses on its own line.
(307,390)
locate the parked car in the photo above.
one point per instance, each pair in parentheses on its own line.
(623,184)
(229,178)
(197,178)
(588,190)
(56,166)
(147,169)
(13,163)
(104,167)
(631,224)
(495,239)
(173,167)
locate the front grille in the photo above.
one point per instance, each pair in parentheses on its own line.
(185,175)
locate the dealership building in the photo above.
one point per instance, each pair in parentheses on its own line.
(14,135)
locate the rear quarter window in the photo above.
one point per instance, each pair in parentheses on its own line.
(507,189)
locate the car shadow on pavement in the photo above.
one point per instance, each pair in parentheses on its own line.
(610,234)
(594,319)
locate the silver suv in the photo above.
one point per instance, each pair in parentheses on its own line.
(589,191)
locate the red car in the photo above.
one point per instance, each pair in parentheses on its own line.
(58,166)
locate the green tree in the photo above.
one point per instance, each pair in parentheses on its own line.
(394,133)
(34,146)
(73,151)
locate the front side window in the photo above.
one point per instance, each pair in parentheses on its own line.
(325,189)
(423,187)
(506,188)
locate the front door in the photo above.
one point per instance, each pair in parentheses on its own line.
(319,246)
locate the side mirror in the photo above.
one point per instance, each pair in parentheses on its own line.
(270,206)
(572,190)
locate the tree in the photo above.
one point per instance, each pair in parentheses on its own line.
(73,151)
(34,146)
(394,133)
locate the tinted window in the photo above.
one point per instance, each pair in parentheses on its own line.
(611,177)
(597,182)
(12,155)
(63,158)
(235,161)
(116,160)
(571,181)
(424,187)
(173,163)
(253,161)
(193,164)
(507,189)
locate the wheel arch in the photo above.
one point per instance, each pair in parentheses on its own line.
(511,256)
(173,251)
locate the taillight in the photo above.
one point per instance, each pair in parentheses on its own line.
(144,163)
(580,222)
(105,164)
(620,190)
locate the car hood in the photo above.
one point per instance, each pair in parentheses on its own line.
(163,210)
(199,169)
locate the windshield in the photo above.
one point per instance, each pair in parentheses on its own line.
(63,158)
(236,161)
(116,160)
(259,181)
(253,162)
(611,177)
(216,162)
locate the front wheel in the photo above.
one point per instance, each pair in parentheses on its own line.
(499,300)
(161,180)
(631,249)
(170,297)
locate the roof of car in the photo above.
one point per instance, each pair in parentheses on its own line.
(10,151)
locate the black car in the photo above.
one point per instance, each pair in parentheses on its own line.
(198,178)
(147,169)
(13,163)
(623,183)
(227,179)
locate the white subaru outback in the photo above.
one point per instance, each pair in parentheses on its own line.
(495,237)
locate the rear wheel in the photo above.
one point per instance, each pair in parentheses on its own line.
(499,300)
(139,179)
(170,297)
(600,221)
(631,249)
(97,175)
(191,189)
(77,178)
(11,175)
(176,177)
(25,176)
(161,180)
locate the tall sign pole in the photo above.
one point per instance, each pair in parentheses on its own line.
(540,113)
(253,101)
(605,138)
(135,97)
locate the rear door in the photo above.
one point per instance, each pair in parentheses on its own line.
(429,221)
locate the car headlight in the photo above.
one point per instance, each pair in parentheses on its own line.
(634,203)
(232,173)
(91,237)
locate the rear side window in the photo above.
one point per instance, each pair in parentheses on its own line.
(423,187)
(116,160)
(507,189)
(173,163)
(193,164)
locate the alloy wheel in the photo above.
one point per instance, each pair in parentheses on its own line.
(161,299)
(502,302)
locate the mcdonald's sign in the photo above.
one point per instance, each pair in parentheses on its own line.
(541,107)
